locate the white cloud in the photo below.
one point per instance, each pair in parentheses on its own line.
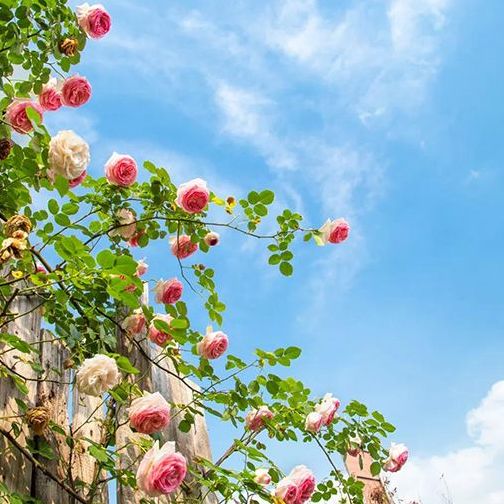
(248,115)
(381,56)
(467,476)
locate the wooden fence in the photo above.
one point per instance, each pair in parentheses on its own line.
(80,416)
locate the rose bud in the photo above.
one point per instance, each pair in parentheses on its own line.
(212,239)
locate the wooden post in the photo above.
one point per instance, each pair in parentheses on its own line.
(126,439)
(88,415)
(15,469)
(192,444)
(195,443)
(53,395)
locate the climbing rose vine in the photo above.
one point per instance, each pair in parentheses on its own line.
(76,254)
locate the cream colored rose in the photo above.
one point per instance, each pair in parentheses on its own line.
(68,155)
(126,224)
(97,375)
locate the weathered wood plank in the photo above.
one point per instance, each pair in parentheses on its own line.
(54,395)
(193,444)
(126,439)
(88,415)
(15,470)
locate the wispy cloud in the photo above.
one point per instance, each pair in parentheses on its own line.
(286,78)
(469,475)
(249,116)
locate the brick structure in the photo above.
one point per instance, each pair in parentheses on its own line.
(374,491)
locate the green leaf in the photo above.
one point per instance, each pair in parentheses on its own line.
(17,343)
(272,387)
(150,167)
(53,206)
(293,352)
(286,268)
(105,259)
(34,116)
(274,259)
(388,427)
(70,208)
(267,197)
(125,365)
(184,426)
(375,468)
(62,219)
(179,324)
(261,210)
(253,197)
(99,453)
(61,185)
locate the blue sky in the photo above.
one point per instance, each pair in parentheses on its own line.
(386,112)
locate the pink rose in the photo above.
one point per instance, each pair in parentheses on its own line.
(149,413)
(121,170)
(287,490)
(193,196)
(398,455)
(314,422)
(169,291)
(40,269)
(142,268)
(262,477)
(213,344)
(77,180)
(335,231)
(50,96)
(135,323)
(94,20)
(212,239)
(133,242)
(255,419)
(305,482)
(161,471)
(183,247)
(156,335)
(354,445)
(75,91)
(18,119)
(328,408)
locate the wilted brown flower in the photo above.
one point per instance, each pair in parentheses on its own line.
(68,46)
(377,496)
(38,419)
(230,200)
(12,247)
(17,223)
(68,363)
(5,148)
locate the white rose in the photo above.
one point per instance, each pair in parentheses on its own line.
(68,155)
(97,375)
(262,477)
(127,221)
